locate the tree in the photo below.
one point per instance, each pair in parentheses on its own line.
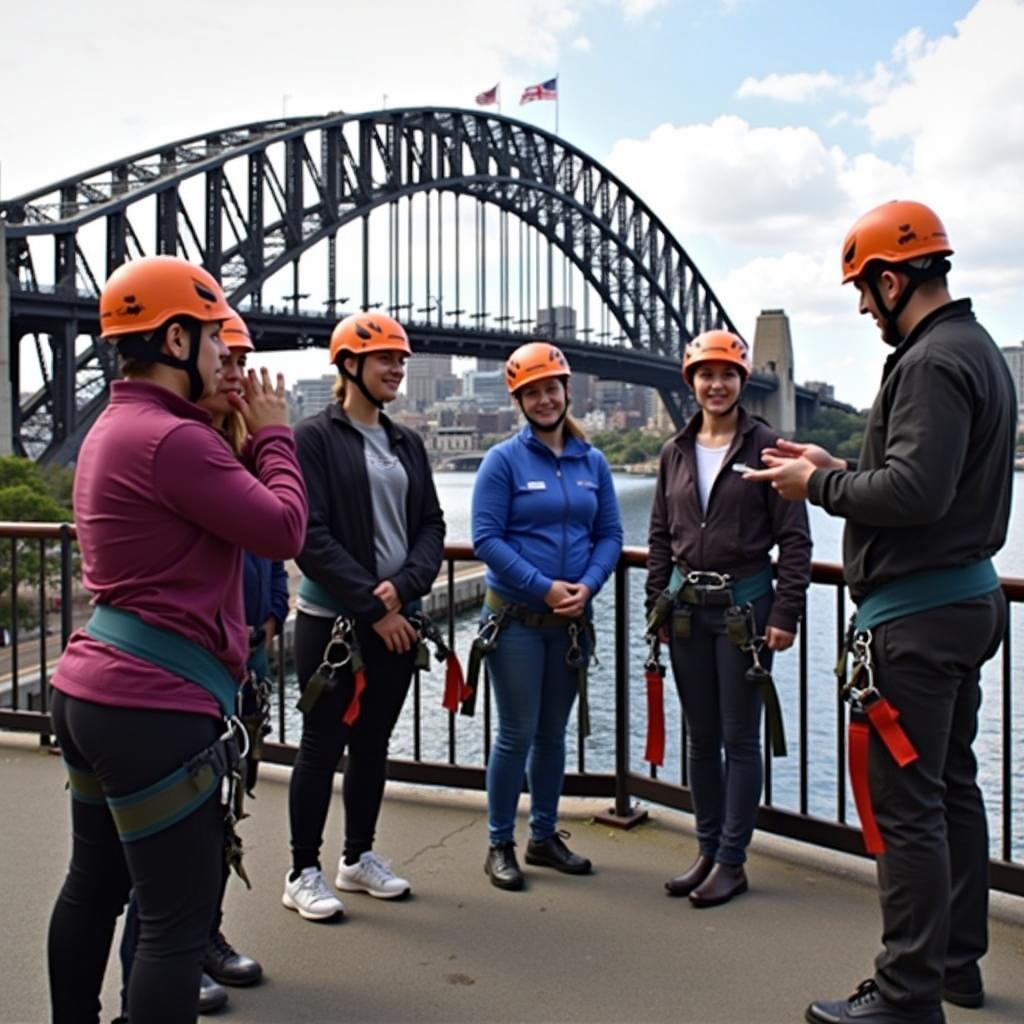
(26,497)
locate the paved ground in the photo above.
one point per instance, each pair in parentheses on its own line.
(610,947)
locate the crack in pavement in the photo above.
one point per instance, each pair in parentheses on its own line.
(444,839)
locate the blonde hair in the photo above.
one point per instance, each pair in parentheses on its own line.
(338,391)
(235,431)
(573,428)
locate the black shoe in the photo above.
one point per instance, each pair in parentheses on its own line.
(723,882)
(224,964)
(211,996)
(963,987)
(684,884)
(501,865)
(553,853)
(869,1006)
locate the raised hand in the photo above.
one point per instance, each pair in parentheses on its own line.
(261,404)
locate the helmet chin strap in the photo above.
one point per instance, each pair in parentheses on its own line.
(357,378)
(916,276)
(149,350)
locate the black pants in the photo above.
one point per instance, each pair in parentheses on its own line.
(176,873)
(933,876)
(723,727)
(325,738)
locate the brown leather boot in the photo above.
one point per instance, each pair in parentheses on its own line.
(684,884)
(724,882)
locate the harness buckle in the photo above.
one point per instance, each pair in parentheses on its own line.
(487,636)
(574,655)
(707,580)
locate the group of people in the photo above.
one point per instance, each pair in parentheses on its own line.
(191,489)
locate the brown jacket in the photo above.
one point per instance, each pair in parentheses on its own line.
(744,521)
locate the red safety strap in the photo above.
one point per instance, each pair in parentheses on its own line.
(655,749)
(884,719)
(858,739)
(455,688)
(353,709)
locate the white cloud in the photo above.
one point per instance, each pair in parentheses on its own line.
(794,88)
(634,10)
(581,43)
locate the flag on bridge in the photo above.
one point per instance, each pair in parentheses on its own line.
(544,91)
(487,99)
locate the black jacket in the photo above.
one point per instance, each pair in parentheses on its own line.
(339,550)
(932,485)
(743,522)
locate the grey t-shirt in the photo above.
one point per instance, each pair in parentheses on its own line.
(389,487)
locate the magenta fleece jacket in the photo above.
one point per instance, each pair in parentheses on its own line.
(163,511)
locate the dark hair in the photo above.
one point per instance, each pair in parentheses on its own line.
(137,353)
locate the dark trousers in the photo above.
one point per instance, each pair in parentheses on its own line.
(722,709)
(933,876)
(175,873)
(325,738)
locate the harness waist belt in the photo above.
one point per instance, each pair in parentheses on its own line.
(495,603)
(311,591)
(167,650)
(738,592)
(923,591)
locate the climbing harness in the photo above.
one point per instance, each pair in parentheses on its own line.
(500,612)
(868,710)
(341,651)
(456,691)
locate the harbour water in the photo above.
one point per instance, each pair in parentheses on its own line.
(635,495)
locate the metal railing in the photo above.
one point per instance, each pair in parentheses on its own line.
(24,701)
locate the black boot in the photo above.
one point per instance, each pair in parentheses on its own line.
(502,866)
(553,853)
(211,995)
(224,964)
(868,1006)
(684,884)
(723,882)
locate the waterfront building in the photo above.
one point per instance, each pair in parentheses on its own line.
(1014,355)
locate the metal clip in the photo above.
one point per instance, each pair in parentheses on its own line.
(861,696)
(757,672)
(653,661)
(487,636)
(574,655)
(708,580)
(340,645)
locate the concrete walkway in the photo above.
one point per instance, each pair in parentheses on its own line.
(610,947)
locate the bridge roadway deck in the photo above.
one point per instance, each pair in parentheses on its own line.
(610,947)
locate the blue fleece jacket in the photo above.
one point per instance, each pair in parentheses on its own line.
(538,517)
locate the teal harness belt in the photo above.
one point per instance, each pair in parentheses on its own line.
(311,591)
(923,591)
(127,632)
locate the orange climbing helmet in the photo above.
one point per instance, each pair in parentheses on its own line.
(894,232)
(536,360)
(368,332)
(717,347)
(235,334)
(143,294)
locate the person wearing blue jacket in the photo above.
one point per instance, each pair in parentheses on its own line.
(546,524)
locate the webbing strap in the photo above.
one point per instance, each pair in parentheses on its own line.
(773,716)
(922,591)
(156,807)
(858,741)
(168,650)
(654,750)
(84,785)
(881,716)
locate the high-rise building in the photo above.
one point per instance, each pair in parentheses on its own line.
(487,388)
(309,396)
(429,379)
(1014,355)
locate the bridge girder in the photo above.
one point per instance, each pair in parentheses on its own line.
(307,178)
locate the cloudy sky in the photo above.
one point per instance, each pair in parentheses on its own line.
(756,130)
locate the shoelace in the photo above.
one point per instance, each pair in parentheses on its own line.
(867,993)
(317,886)
(221,946)
(377,868)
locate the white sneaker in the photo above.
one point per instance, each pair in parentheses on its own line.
(311,896)
(371,875)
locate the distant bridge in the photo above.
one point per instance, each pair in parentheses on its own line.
(476,230)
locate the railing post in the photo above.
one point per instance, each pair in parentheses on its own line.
(624,814)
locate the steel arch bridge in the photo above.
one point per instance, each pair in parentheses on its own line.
(474,229)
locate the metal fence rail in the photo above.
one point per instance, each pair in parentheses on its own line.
(52,597)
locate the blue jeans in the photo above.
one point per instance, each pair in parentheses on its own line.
(534,692)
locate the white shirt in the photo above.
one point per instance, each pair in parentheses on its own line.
(709,462)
